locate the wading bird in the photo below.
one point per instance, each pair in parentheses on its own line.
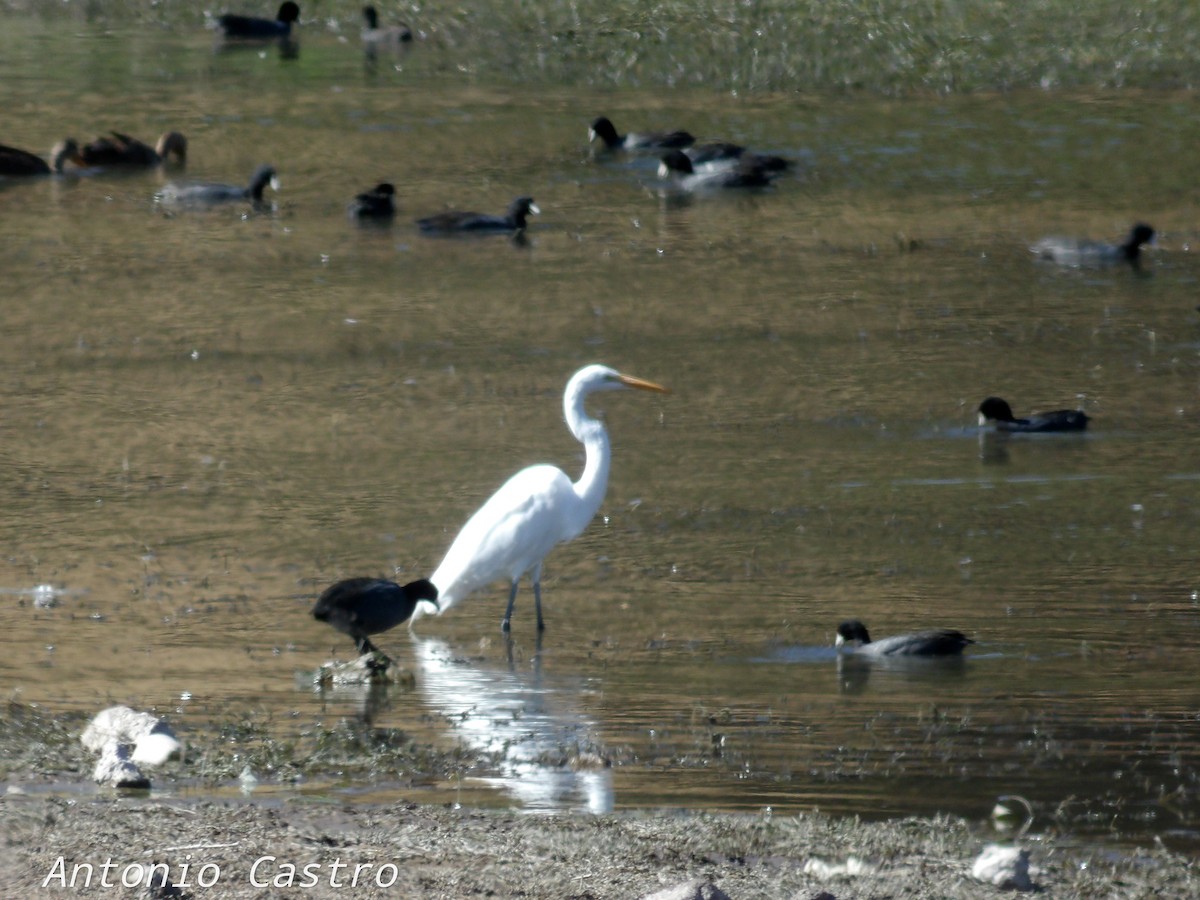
(941,642)
(536,509)
(364,606)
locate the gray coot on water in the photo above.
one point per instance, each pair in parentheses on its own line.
(997,412)
(456,221)
(213,194)
(1082,252)
(603,129)
(939,642)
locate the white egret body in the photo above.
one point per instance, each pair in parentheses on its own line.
(535,509)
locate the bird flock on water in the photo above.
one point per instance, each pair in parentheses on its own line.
(540,506)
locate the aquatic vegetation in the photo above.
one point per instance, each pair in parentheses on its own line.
(887,46)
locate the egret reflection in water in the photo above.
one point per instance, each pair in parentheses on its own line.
(532,729)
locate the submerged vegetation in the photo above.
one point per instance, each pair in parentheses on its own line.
(883,46)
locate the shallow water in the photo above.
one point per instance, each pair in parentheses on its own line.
(213,415)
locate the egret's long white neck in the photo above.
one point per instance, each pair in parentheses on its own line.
(591,433)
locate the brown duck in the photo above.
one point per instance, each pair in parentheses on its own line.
(120,150)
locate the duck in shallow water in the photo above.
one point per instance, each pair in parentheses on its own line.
(723,153)
(360,607)
(746,172)
(605,131)
(254,29)
(997,412)
(122,151)
(852,634)
(1079,252)
(214,194)
(18,163)
(460,222)
(388,36)
(377,203)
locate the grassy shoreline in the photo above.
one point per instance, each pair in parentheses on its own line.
(892,47)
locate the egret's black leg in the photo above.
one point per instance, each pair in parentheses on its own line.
(512,601)
(537,601)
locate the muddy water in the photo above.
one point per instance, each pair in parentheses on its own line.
(210,416)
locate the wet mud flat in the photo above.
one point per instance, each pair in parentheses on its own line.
(120,844)
(306,849)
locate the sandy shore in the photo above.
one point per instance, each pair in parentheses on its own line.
(322,849)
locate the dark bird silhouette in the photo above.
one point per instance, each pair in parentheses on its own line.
(376,203)
(122,151)
(251,28)
(456,221)
(939,642)
(17,163)
(360,607)
(603,129)
(746,172)
(997,412)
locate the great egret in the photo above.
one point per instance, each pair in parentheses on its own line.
(942,642)
(997,411)
(1077,252)
(535,509)
(363,606)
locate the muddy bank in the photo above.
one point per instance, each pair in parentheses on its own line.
(319,846)
(314,849)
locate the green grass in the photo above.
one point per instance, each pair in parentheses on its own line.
(883,46)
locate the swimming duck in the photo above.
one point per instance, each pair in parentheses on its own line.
(724,153)
(603,129)
(375,204)
(456,221)
(251,28)
(995,411)
(120,150)
(1076,252)
(360,607)
(939,642)
(212,194)
(388,36)
(17,163)
(746,172)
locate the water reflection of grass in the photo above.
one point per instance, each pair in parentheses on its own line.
(886,46)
